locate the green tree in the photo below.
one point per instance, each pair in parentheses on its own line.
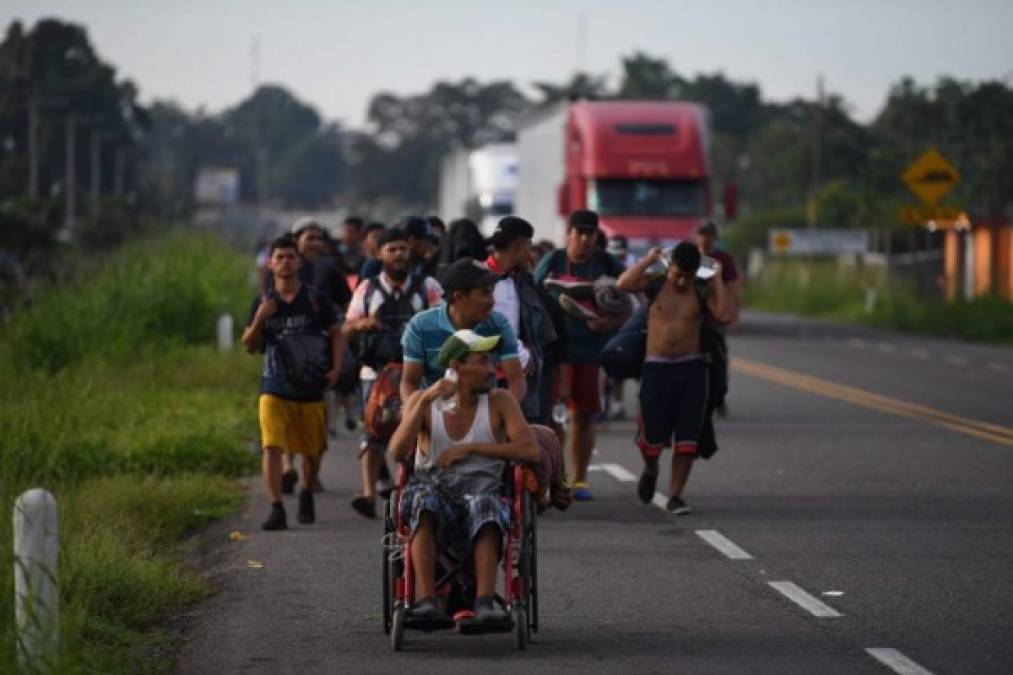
(644,76)
(399,157)
(971,124)
(311,172)
(581,85)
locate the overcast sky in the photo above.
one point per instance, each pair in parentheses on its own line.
(336,55)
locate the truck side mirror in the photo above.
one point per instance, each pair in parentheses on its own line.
(563,199)
(731,201)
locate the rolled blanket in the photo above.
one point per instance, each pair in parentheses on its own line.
(550,470)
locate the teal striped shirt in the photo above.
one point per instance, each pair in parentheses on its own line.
(428,330)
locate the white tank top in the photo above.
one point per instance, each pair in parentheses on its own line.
(474,475)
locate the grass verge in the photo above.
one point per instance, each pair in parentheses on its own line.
(112,399)
(824,290)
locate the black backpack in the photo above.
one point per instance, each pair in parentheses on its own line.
(380,347)
(306,357)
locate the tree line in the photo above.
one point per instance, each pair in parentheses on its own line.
(61,104)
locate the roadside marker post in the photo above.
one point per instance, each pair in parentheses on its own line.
(225,333)
(36,598)
(870,300)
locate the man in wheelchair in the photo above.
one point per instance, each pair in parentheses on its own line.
(466,431)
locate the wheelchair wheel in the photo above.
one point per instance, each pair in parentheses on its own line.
(533,581)
(397,627)
(388,578)
(392,565)
(520,619)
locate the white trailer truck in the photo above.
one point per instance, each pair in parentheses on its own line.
(540,154)
(479,184)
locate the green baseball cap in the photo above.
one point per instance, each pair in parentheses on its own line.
(463,342)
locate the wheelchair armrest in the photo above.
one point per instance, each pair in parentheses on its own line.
(404,472)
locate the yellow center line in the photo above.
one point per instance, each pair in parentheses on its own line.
(984,430)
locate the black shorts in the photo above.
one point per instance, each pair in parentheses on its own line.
(673,399)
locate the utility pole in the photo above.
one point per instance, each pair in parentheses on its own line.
(814,174)
(33,145)
(96,171)
(255,62)
(581,43)
(119,171)
(70,186)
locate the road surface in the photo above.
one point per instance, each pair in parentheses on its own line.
(858,519)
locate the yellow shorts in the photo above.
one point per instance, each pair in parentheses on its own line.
(298,427)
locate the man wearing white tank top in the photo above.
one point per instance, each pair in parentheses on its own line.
(466,430)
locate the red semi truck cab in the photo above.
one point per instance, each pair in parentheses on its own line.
(644,166)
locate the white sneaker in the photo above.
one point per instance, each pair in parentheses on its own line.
(575,309)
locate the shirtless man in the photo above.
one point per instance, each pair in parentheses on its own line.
(673,387)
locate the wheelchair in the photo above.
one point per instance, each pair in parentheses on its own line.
(454,574)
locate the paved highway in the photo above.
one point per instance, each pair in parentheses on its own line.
(858,519)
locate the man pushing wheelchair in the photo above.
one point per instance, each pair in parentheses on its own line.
(466,431)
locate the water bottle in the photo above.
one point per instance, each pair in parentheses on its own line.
(449,404)
(559,415)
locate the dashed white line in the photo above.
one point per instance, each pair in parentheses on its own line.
(804,600)
(895,661)
(888,347)
(956,360)
(619,472)
(660,500)
(857,342)
(997,367)
(919,353)
(723,544)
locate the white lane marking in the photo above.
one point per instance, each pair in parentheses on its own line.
(619,473)
(804,600)
(956,360)
(857,342)
(895,661)
(919,353)
(997,367)
(595,467)
(660,500)
(723,544)
(887,347)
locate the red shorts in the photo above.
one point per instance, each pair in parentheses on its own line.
(585,388)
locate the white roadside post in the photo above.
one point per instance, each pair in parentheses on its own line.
(870,300)
(36,547)
(225,330)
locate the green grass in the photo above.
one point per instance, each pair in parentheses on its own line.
(825,290)
(149,296)
(121,578)
(112,398)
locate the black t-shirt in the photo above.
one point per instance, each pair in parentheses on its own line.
(370,268)
(324,274)
(582,345)
(423,267)
(297,347)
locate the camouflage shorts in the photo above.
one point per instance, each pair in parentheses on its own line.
(459,517)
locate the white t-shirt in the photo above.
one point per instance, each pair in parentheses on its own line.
(357,306)
(508,304)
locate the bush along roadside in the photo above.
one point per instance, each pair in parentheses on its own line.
(112,398)
(824,290)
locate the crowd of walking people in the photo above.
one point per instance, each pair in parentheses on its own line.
(454,352)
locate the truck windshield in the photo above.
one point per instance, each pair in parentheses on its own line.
(645,197)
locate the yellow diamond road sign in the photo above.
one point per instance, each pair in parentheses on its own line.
(781,241)
(930,177)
